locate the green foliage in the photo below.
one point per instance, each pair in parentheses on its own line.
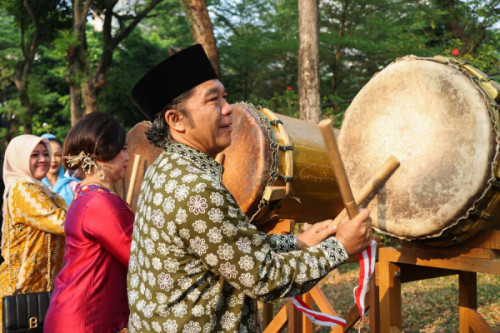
(284,103)
(137,56)
(258,45)
(140,51)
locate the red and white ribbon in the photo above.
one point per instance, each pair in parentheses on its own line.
(316,317)
(367,267)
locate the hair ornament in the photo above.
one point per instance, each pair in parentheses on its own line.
(86,162)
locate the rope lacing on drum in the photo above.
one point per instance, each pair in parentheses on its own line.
(479,214)
(286,179)
(285,148)
(496,183)
(274,164)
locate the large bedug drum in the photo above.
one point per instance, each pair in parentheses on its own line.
(276,167)
(438,116)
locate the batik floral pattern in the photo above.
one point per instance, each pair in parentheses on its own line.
(197,264)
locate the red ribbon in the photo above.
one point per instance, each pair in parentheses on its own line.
(366,269)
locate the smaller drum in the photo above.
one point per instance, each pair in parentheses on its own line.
(275,167)
(439,118)
(278,165)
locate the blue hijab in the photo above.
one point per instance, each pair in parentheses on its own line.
(62,186)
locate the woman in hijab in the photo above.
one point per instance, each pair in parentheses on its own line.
(33,219)
(55,179)
(90,293)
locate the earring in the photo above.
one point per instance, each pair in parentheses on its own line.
(101,174)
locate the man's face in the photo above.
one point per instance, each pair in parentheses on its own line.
(210,128)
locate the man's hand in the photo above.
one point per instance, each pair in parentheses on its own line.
(356,234)
(315,234)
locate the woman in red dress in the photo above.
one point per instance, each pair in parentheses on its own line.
(90,293)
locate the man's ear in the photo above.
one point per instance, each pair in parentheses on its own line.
(176,121)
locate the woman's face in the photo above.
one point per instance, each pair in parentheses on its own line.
(115,169)
(39,161)
(56,162)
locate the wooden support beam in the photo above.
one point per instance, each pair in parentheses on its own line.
(411,273)
(294,318)
(420,258)
(278,322)
(389,286)
(307,326)
(373,306)
(467,300)
(267,313)
(477,323)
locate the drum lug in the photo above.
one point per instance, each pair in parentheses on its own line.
(273,193)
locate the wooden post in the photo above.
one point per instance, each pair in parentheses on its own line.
(467,301)
(294,318)
(390,296)
(307,326)
(373,306)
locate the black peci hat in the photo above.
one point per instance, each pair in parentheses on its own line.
(170,78)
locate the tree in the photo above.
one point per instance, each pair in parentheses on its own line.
(145,47)
(201,28)
(309,99)
(85,80)
(469,21)
(35,20)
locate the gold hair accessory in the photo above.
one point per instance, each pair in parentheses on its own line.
(86,162)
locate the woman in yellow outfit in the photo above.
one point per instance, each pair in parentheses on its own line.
(31,213)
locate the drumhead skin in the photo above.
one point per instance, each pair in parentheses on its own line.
(438,123)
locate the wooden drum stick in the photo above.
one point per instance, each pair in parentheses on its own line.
(133,177)
(338,167)
(373,183)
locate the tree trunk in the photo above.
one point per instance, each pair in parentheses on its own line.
(78,77)
(201,29)
(75,94)
(127,24)
(89,95)
(339,49)
(24,68)
(309,97)
(30,111)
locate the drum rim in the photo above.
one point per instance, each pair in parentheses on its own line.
(494,165)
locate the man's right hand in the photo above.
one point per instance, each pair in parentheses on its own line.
(356,234)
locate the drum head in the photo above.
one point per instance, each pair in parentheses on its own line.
(436,121)
(247,160)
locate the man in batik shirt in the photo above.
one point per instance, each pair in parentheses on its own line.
(196,263)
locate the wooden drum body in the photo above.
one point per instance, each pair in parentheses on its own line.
(439,118)
(273,156)
(275,167)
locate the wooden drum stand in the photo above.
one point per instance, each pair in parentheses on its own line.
(480,254)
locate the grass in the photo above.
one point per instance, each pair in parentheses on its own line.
(427,305)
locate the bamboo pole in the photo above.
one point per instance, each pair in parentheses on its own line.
(133,177)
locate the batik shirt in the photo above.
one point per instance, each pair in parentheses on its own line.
(197,264)
(34,212)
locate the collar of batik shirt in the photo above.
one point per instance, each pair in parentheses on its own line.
(201,160)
